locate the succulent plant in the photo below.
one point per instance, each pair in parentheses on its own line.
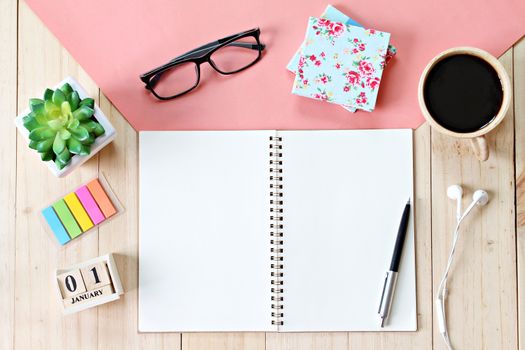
(61,124)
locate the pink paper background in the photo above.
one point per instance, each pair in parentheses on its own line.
(117,40)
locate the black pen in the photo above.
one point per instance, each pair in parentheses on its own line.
(391,276)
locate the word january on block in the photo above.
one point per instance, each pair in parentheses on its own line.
(90,295)
(88,284)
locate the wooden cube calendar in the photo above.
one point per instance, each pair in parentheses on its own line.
(88,284)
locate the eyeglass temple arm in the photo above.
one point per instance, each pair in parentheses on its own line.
(198,52)
(216,43)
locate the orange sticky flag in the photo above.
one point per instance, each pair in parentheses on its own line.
(101,197)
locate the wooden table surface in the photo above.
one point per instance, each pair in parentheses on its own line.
(485,310)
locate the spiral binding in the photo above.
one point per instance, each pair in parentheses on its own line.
(276,229)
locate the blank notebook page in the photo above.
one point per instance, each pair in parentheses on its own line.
(204,219)
(344,193)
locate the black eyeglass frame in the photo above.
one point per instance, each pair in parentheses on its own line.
(201,55)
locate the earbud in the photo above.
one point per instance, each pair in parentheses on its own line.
(455,192)
(480,197)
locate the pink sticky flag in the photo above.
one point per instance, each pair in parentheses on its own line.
(88,202)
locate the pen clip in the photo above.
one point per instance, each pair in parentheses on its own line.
(382,294)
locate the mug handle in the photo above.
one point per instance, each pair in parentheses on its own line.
(481,149)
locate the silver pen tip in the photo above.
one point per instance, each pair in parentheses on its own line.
(382,322)
(408,202)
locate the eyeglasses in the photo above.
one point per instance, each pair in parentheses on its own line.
(227,56)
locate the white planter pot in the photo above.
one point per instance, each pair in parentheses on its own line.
(76,160)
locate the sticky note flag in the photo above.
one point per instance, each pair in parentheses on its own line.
(78,211)
(56,226)
(67,218)
(89,204)
(101,197)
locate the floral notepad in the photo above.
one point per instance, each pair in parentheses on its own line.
(334,15)
(341,64)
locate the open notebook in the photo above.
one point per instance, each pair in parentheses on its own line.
(273,230)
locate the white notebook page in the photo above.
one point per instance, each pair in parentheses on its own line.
(344,192)
(204,231)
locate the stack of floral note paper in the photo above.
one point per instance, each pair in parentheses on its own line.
(341,63)
(334,15)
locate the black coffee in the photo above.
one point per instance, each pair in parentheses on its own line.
(463,93)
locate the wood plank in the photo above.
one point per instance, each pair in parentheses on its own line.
(307,341)
(119,164)
(8,88)
(482,303)
(218,341)
(519,120)
(39,322)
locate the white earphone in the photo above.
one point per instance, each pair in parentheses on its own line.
(454,192)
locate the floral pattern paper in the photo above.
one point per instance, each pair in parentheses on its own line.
(334,15)
(341,64)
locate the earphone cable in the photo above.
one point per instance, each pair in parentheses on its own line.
(442,290)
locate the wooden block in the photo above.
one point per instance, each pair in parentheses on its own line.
(78,211)
(100,283)
(90,295)
(71,283)
(95,276)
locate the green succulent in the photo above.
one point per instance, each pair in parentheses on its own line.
(61,125)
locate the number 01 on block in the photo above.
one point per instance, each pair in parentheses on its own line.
(89,284)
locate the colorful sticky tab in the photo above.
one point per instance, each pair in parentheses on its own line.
(102,199)
(90,205)
(78,211)
(56,226)
(67,218)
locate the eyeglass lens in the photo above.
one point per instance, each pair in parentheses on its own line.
(237,55)
(228,59)
(176,80)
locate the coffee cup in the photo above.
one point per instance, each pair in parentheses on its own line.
(465,92)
